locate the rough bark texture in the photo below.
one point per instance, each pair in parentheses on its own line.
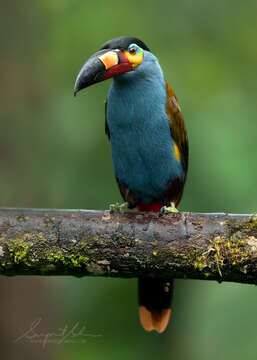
(219,247)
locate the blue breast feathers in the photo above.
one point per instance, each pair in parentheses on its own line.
(141,143)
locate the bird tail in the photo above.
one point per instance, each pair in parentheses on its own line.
(155,296)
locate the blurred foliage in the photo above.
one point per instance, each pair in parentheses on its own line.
(54,153)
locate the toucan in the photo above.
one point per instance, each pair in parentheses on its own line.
(149,146)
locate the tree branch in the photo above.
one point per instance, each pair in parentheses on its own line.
(219,247)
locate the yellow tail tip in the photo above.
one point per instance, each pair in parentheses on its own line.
(154,320)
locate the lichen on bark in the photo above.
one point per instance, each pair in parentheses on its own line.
(218,247)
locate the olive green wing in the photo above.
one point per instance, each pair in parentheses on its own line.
(177,126)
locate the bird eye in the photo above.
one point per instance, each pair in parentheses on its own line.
(132,49)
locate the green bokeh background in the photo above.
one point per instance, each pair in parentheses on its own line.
(54,154)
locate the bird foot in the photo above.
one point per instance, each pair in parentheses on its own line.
(168,209)
(117,207)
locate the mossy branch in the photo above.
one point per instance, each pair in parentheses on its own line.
(219,247)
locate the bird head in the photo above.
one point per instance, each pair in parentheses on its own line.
(116,57)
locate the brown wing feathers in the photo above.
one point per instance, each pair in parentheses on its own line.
(177,125)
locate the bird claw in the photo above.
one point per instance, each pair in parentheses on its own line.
(168,209)
(117,207)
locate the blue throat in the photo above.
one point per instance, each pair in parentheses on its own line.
(141,143)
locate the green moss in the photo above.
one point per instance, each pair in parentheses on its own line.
(246,227)
(49,220)
(234,251)
(20,251)
(99,240)
(199,265)
(22,218)
(19,247)
(74,260)
(251,226)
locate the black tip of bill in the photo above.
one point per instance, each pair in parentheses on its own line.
(91,72)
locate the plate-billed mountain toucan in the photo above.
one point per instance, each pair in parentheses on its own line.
(149,145)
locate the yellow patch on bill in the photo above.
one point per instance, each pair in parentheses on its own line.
(109,59)
(177,152)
